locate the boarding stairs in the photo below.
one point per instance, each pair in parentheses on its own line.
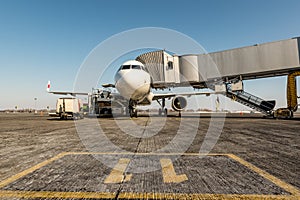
(252,101)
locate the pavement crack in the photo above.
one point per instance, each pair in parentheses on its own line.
(140,139)
(135,152)
(121,186)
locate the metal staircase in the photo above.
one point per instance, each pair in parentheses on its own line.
(251,101)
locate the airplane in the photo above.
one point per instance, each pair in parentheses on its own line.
(133,82)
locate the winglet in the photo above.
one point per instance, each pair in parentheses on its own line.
(48,86)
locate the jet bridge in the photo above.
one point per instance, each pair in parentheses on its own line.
(225,67)
(258,61)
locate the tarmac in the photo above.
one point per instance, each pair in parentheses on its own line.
(150,157)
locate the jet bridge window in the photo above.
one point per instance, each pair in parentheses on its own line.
(170,65)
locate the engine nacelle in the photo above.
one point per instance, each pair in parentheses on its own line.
(179,103)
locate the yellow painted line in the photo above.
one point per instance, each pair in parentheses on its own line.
(107,195)
(46,194)
(117,175)
(267,176)
(169,174)
(42,164)
(30,170)
(203,196)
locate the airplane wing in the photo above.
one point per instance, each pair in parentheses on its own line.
(63,92)
(70,93)
(169,95)
(106,85)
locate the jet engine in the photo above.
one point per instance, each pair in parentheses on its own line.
(179,103)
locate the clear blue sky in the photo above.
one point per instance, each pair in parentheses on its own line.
(48,40)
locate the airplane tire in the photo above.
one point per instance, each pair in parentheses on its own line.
(159,112)
(166,112)
(133,113)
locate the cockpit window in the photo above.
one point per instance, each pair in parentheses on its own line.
(131,67)
(126,67)
(136,67)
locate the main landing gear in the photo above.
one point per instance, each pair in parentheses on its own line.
(162,110)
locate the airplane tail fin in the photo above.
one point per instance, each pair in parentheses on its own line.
(48,86)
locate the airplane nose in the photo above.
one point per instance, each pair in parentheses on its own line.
(133,84)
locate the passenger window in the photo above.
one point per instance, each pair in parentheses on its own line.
(170,65)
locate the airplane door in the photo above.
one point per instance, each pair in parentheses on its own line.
(171,69)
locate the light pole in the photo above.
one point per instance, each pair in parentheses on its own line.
(35,99)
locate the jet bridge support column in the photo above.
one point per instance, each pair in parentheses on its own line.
(291,97)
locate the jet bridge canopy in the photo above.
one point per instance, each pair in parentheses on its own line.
(257,61)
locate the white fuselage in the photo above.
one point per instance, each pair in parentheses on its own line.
(133,83)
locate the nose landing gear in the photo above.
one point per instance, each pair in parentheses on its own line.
(132,108)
